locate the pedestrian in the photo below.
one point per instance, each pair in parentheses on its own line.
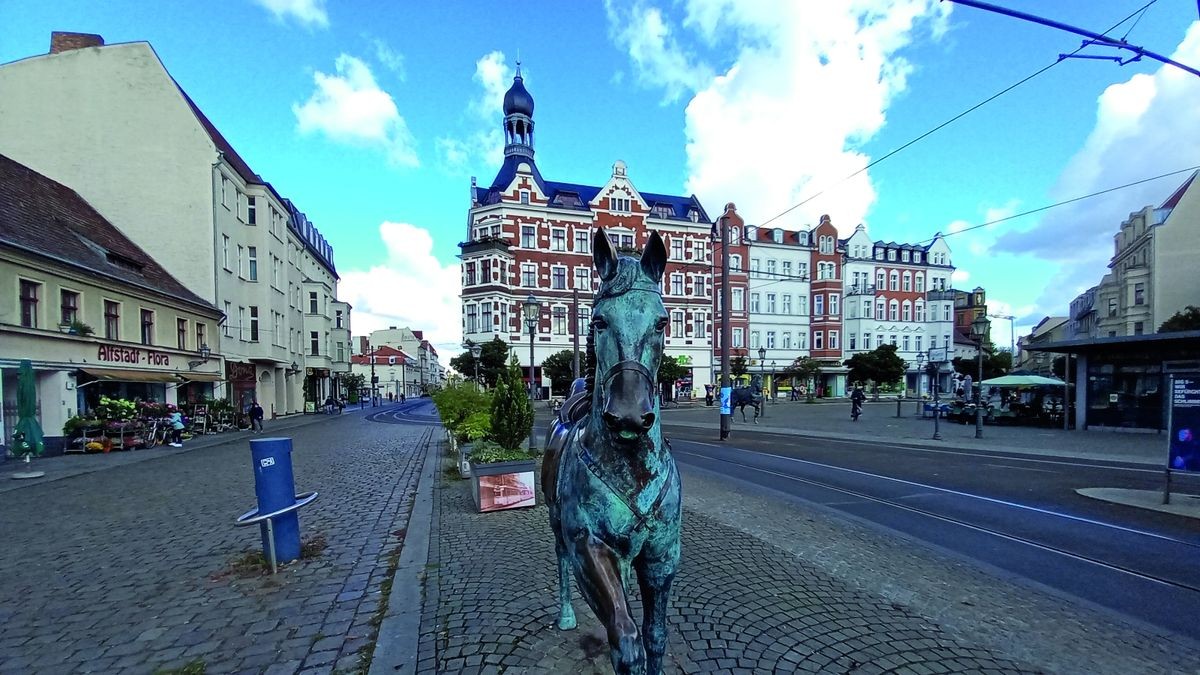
(176,421)
(857,397)
(256,418)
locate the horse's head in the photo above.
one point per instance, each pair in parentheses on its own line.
(628,323)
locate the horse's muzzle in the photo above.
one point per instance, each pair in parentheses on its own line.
(628,408)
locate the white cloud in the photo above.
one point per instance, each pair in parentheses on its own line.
(410,288)
(1140,132)
(389,58)
(960,276)
(307,12)
(484,146)
(809,84)
(349,107)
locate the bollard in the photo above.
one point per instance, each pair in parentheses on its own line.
(275,489)
(899,400)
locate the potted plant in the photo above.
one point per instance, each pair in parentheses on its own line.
(465,412)
(502,474)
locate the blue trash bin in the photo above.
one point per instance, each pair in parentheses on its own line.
(275,488)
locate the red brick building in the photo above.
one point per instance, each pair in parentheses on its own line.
(529,236)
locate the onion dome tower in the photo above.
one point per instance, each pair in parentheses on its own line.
(518,119)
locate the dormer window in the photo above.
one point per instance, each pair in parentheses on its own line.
(904,256)
(891,254)
(693,215)
(663,211)
(879,254)
(778,236)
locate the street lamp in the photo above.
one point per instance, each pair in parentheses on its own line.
(920,371)
(762,375)
(476,350)
(774,389)
(933,370)
(531,309)
(979,329)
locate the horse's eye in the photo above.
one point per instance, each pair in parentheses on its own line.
(599,324)
(661,324)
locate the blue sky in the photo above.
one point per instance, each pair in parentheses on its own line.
(374,116)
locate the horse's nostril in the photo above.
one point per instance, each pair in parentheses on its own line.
(647,420)
(610,419)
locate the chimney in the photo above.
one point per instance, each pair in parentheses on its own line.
(64,42)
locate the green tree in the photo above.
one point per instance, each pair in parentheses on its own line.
(805,369)
(353,382)
(492,360)
(560,368)
(1187,319)
(880,366)
(512,412)
(669,371)
(738,367)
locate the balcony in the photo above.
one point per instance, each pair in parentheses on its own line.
(932,296)
(485,244)
(860,290)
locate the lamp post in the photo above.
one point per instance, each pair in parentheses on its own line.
(774,389)
(476,350)
(934,376)
(372,353)
(762,375)
(920,371)
(531,309)
(979,327)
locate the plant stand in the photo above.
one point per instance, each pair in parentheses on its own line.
(503,485)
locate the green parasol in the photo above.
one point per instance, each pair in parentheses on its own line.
(28,439)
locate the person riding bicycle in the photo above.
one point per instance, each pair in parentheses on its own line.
(857,397)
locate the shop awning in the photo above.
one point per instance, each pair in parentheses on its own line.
(203,377)
(122,375)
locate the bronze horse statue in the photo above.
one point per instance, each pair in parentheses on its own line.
(611,484)
(748,396)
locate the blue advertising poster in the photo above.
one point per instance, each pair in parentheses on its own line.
(1185,423)
(726,400)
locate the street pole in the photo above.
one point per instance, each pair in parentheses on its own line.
(937,407)
(372,374)
(979,394)
(726,333)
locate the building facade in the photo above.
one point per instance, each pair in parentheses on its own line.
(423,371)
(899,294)
(392,369)
(528,236)
(175,186)
(93,312)
(1150,275)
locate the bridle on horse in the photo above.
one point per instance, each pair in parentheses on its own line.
(629,364)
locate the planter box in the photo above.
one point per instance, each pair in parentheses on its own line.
(503,485)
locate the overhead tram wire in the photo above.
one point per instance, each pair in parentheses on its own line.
(953,119)
(780,277)
(1066,201)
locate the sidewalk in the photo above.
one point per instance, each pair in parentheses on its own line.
(741,604)
(59,467)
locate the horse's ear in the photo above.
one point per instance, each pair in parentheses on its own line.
(654,258)
(604,257)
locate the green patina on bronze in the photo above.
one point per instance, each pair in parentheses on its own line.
(610,481)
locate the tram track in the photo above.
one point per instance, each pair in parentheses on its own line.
(1043,544)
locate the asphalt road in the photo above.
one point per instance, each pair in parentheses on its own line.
(1017,513)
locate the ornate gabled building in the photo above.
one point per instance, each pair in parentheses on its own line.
(529,236)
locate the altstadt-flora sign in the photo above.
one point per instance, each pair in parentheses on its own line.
(113,354)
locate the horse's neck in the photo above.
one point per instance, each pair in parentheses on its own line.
(648,460)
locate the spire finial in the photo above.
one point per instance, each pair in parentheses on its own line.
(518,62)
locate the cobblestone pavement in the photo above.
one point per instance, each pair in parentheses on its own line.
(130,569)
(739,605)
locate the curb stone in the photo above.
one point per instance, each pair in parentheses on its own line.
(396,645)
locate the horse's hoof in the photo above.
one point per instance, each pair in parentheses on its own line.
(566,622)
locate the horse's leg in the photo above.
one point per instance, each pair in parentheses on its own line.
(550,469)
(654,579)
(599,576)
(566,613)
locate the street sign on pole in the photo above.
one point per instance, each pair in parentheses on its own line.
(1183,422)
